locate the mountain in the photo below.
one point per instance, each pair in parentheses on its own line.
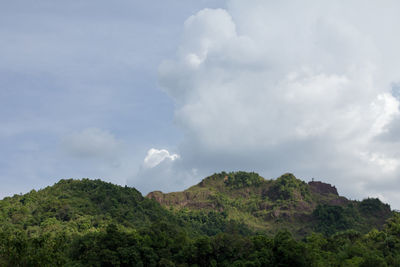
(271,205)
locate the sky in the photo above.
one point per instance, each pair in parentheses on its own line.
(160,94)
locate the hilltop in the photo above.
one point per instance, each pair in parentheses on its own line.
(77,222)
(85,203)
(270,205)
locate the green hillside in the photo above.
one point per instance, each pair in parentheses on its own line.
(74,219)
(229,219)
(43,225)
(283,203)
(79,205)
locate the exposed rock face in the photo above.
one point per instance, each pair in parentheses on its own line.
(196,200)
(323,188)
(157,196)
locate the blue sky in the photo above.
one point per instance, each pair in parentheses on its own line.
(159,94)
(69,66)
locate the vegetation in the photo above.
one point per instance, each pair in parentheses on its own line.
(242,179)
(93,223)
(332,219)
(288,187)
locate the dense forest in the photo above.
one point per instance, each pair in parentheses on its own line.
(229,219)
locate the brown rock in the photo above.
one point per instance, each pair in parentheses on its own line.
(323,188)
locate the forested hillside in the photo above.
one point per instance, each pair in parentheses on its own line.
(229,219)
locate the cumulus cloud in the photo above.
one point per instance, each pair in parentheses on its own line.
(155,157)
(162,170)
(91,143)
(288,86)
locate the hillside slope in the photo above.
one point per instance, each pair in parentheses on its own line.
(270,205)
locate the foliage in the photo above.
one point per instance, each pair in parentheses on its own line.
(288,187)
(373,207)
(332,219)
(92,223)
(210,223)
(243,179)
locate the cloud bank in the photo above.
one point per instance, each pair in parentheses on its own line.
(306,87)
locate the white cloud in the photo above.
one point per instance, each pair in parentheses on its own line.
(162,170)
(282,86)
(91,143)
(155,156)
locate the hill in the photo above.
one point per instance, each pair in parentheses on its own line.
(77,221)
(271,205)
(229,219)
(85,203)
